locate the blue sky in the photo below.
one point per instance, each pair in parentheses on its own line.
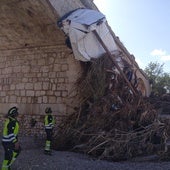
(143,26)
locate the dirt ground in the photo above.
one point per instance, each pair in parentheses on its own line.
(33,158)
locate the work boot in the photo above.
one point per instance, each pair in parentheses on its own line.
(47,152)
(5,165)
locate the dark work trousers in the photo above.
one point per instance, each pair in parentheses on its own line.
(8,148)
(49,133)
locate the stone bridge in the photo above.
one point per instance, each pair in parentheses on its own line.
(36,68)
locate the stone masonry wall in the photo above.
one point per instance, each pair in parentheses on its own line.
(33,79)
(36,68)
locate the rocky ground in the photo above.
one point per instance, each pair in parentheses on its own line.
(32,158)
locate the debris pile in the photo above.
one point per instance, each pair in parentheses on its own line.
(161,103)
(111,122)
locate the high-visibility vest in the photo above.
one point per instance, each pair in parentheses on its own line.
(49,121)
(10,131)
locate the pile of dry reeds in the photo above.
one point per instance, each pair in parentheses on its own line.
(110,123)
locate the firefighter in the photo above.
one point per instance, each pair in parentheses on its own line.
(10,138)
(49,124)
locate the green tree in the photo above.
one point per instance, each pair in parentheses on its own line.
(159,79)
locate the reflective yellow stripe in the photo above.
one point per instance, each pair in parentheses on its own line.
(47,145)
(12,136)
(49,125)
(5,130)
(16,130)
(5,165)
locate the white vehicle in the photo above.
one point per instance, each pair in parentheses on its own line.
(90,37)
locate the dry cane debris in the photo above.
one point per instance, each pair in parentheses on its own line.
(111,123)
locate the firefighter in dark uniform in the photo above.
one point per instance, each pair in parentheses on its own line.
(10,138)
(49,124)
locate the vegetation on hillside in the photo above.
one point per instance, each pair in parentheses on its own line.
(159,79)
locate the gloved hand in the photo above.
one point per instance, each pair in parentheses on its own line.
(17,147)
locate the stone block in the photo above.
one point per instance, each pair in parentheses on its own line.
(29,86)
(52,99)
(12,99)
(64,67)
(45,99)
(30,93)
(61,86)
(58,93)
(20,86)
(38,86)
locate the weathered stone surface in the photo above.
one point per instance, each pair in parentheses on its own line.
(37,70)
